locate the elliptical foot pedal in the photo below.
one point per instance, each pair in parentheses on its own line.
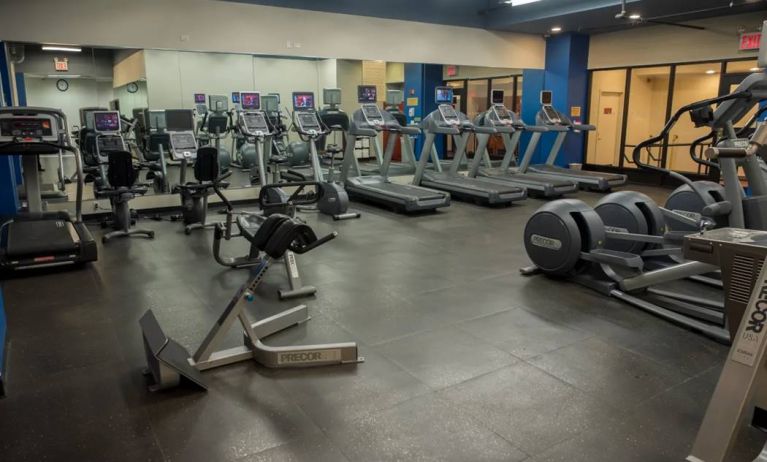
(167,360)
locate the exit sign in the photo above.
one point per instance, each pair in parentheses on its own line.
(452,71)
(750,41)
(61,64)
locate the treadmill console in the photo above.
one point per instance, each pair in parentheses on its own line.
(254,123)
(308,123)
(108,136)
(502,115)
(373,115)
(550,115)
(29,132)
(449,115)
(183,145)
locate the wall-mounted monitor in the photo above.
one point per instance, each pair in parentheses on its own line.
(547,97)
(270,103)
(367,94)
(199,98)
(303,100)
(106,121)
(250,100)
(179,120)
(496,96)
(443,95)
(218,103)
(331,96)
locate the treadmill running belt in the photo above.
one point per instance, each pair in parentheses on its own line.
(396,188)
(29,238)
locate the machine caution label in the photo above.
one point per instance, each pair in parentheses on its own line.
(292,263)
(545,242)
(751,334)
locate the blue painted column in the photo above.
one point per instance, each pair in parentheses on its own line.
(566,75)
(9,165)
(420,82)
(532,85)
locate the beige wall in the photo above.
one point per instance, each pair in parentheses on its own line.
(245,28)
(670,44)
(349,74)
(612,82)
(395,72)
(129,69)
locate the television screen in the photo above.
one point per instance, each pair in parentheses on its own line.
(443,95)
(199,98)
(331,96)
(546,98)
(106,121)
(250,100)
(218,103)
(179,120)
(270,103)
(303,100)
(367,94)
(497,96)
(235,97)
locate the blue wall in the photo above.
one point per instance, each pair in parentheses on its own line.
(10,167)
(420,81)
(566,75)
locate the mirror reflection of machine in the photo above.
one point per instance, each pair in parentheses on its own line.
(244,153)
(214,126)
(333,199)
(153,144)
(108,138)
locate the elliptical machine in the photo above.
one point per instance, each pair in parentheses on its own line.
(215,125)
(333,199)
(244,154)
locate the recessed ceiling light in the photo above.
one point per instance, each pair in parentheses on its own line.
(635,16)
(62,48)
(755,69)
(710,71)
(556,29)
(519,2)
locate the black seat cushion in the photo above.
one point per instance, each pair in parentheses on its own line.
(121,173)
(206,166)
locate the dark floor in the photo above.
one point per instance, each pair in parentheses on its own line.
(465,359)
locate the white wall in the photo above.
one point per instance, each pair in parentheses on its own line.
(81,93)
(129,101)
(257,29)
(349,77)
(670,44)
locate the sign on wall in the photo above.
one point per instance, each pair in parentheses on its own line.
(61,64)
(452,70)
(750,41)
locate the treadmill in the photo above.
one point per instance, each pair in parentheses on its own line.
(510,127)
(36,238)
(446,120)
(558,122)
(369,121)
(407,166)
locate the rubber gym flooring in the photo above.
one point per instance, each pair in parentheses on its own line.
(465,359)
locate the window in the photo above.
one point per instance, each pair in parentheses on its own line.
(648,98)
(692,82)
(606,112)
(738,67)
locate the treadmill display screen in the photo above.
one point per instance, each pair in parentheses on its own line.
(157,120)
(367,94)
(179,120)
(443,95)
(547,98)
(496,96)
(218,103)
(26,128)
(217,123)
(270,103)
(254,121)
(182,141)
(235,97)
(303,100)
(107,121)
(308,121)
(502,113)
(199,98)
(372,113)
(449,114)
(250,100)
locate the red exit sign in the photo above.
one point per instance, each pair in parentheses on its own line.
(750,41)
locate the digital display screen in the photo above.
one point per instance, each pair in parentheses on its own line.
(367,94)
(199,98)
(502,112)
(218,103)
(546,97)
(250,100)
(270,103)
(303,100)
(496,96)
(108,121)
(184,141)
(218,123)
(449,113)
(331,96)
(308,121)
(25,127)
(443,95)
(255,121)
(179,120)
(371,111)
(235,97)
(394,97)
